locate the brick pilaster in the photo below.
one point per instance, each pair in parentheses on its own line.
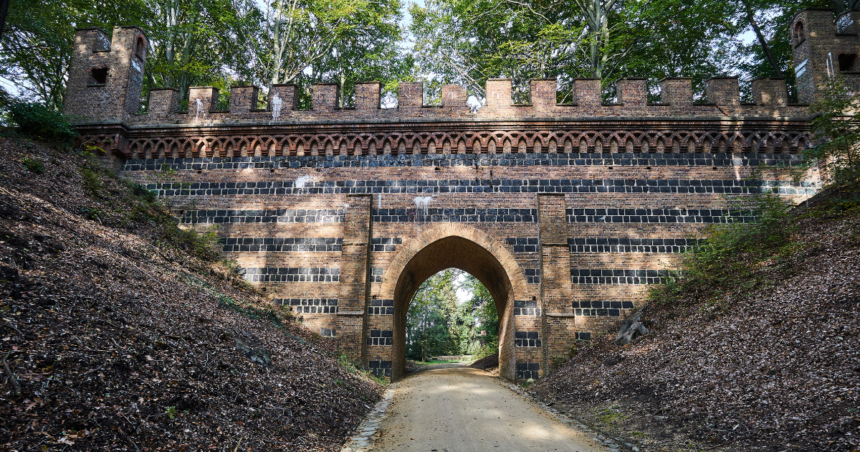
(557,323)
(352,302)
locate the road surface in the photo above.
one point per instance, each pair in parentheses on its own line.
(460,409)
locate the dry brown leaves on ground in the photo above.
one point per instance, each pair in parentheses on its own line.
(115,343)
(775,369)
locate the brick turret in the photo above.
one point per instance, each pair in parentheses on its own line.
(824,46)
(106,76)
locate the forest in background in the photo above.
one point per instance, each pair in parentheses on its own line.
(436,324)
(225,43)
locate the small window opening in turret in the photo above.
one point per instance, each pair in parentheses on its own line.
(98,76)
(848,62)
(140,48)
(102,43)
(798,33)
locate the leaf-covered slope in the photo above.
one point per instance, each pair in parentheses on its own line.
(776,367)
(127,338)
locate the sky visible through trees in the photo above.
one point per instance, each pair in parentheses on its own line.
(452,313)
(225,43)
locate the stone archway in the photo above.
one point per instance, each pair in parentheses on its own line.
(467,249)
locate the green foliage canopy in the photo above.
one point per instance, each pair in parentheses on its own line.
(466,42)
(837,126)
(213,42)
(437,325)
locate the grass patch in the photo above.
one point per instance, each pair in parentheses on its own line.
(434,361)
(131,205)
(347,362)
(609,417)
(737,258)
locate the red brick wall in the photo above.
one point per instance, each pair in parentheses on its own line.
(566,212)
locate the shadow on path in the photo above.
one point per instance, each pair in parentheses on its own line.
(454,408)
(436,366)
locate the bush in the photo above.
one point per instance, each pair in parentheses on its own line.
(92,182)
(142,192)
(33,165)
(732,253)
(837,132)
(93,213)
(39,121)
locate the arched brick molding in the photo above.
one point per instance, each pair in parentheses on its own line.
(470,250)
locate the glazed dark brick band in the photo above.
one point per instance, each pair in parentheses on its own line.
(262,216)
(526,308)
(381,307)
(524,244)
(309,305)
(527,339)
(455,160)
(525,371)
(455,215)
(626,245)
(617,276)
(385,244)
(602,308)
(665,215)
(383,338)
(295,274)
(275,244)
(604,304)
(380,368)
(328,332)
(432,187)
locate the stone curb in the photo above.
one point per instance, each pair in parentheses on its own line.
(613,444)
(367,431)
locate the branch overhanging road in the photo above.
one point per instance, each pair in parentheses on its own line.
(459,409)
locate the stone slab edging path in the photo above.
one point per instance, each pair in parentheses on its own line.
(367,431)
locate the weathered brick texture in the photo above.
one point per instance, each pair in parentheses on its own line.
(567,213)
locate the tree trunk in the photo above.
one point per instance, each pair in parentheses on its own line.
(4,8)
(762,41)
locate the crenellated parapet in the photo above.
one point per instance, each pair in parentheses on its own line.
(723,95)
(106,78)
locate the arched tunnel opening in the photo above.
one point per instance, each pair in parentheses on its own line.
(468,256)
(452,316)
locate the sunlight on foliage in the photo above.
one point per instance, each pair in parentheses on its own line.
(437,325)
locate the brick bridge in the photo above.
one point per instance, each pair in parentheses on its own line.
(565,212)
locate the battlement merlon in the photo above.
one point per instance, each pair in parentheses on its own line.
(106,78)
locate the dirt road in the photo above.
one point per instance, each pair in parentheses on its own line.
(466,410)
